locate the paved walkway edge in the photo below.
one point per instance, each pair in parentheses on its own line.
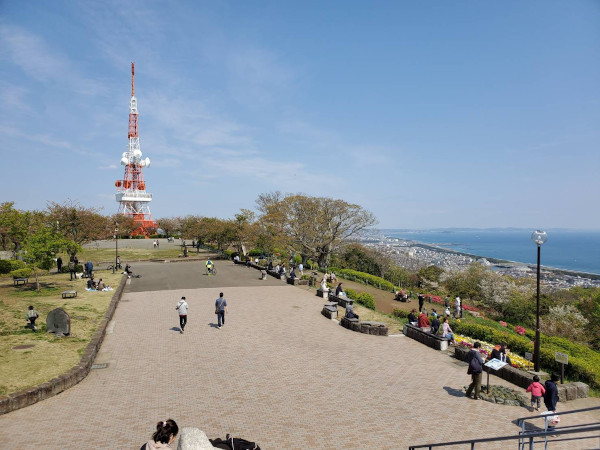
(29,396)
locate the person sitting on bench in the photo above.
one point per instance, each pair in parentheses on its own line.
(350,314)
(293,274)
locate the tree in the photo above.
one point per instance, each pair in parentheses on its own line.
(78,224)
(169,225)
(41,248)
(16,225)
(315,226)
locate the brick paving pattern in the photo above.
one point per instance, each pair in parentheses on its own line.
(278,373)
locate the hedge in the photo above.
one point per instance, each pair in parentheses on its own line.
(364,278)
(584,364)
(8,265)
(21,273)
(362,298)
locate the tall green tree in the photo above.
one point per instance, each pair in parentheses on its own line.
(41,248)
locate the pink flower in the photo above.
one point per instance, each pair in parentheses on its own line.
(502,323)
(519,329)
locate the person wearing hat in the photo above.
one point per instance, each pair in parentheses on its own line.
(182,308)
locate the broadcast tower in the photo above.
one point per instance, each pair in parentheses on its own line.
(131,194)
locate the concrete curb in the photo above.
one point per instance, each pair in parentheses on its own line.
(29,396)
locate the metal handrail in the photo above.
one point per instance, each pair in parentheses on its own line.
(530,437)
(522,422)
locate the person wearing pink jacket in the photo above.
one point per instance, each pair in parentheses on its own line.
(537,392)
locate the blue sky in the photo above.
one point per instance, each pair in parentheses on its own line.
(427,113)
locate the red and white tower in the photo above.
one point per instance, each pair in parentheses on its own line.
(131,194)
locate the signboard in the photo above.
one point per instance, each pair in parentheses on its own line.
(495,364)
(528,356)
(562,358)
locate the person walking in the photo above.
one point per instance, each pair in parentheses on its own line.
(475,370)
(421,301)
(32,315)
(221,309)
(58,264)
(537,392)
(182,308)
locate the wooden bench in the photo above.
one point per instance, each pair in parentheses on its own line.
(18,281)
(425,337)
(69,294)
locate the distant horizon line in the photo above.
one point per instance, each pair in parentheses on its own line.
(597,230)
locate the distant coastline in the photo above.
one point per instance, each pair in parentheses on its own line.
(496,261)
(571,251)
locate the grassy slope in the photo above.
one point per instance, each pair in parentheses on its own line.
(50,356)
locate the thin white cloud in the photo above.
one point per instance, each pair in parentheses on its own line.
(41,62)
(109,167)
(12,98)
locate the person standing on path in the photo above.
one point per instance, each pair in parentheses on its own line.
(458,309)
(58,264)
(475,370)
(421,301)
(182,308)
(221,309)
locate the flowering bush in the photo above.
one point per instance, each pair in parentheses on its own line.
(469,308)
(519,329)
(502,323)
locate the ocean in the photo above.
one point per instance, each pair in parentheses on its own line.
(573,250)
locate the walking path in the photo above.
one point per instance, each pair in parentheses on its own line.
(278,373)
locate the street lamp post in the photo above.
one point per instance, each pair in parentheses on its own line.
(116,246)
(538,237)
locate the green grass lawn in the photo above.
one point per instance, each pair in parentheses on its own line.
(49,356)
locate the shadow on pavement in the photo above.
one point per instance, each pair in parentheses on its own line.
(454,392)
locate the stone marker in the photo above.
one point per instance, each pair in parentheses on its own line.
(59,322)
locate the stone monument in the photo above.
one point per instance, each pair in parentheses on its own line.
(59,322)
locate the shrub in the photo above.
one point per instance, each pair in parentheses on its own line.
(366,299)
(362,298)
(4,266)
(400,313)
(584,363)
(364,278)
(65,268)
(229,252)
(21,273)
(17,264)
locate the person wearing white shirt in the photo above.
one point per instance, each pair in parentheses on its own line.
(182,308)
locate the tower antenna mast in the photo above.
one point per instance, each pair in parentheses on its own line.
(131,190)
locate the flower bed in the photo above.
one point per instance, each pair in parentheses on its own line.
(486,348)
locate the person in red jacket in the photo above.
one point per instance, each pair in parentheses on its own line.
(422,320)
(537,392)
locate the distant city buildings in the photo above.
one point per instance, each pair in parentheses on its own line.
(414,255)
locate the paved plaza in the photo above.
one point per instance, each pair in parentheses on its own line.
(277,373)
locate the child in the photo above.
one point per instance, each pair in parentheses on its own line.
(537,392)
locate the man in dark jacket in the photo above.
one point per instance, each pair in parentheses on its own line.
(551,394)
(412,318)
(475,369)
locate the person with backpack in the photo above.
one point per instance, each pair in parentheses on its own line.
(475,370)
(182,308)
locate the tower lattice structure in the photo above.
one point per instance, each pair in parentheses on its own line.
(134,200)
